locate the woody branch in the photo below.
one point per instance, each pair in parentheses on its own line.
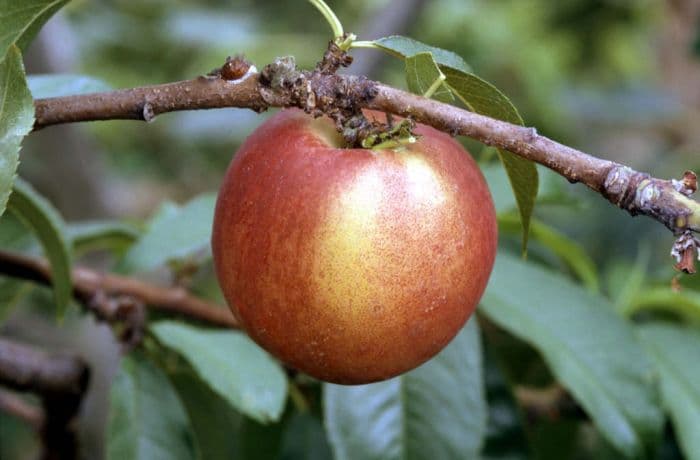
(323,92)
(60,381)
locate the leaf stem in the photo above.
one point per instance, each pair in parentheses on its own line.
(330,16)
(364,44)
(434,87)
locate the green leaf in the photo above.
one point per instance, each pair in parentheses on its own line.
(64,85)
(18,438)
(625,279)
(499,186)
(685,303)
(505,434)
(424,77)
(16,118)
(146,419)
(589,349)
(232,365)
(258,441)
(13,236)
(11,291)
(553,190)
(206,410)
(299,437)
(304,439)
(175,233)
(675,351)
(96,235)
(234,436)
(565,248)
(41,217)
(404,47)
(435,412)
(484,98)
(20,20)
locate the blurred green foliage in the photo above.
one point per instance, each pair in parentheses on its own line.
(585,72)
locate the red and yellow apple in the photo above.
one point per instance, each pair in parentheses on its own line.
(351,265)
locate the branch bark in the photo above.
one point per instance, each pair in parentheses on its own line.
(110,296)
(144,103)
(60,381)
(322,91)
(13,404)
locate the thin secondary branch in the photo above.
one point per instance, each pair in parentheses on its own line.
(321,91)
(92,288)
(59,380)
(25,369)
(13,404)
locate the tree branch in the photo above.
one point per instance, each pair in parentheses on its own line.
(13,404)
(114,297)
(322,91)
(60,381)
(25,369)
(144,103)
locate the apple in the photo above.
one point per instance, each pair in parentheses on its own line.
(351,265)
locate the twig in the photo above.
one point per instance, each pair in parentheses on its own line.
(59,380)
(25,369)
(13,404)
(92,288)
(280,84)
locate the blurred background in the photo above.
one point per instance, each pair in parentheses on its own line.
(615,78)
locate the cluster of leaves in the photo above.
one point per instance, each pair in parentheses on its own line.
(193,392)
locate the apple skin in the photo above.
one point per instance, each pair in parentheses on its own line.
(351,265)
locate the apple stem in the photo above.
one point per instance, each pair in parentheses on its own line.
(317,93)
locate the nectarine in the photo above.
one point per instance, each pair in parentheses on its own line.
(351,265)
